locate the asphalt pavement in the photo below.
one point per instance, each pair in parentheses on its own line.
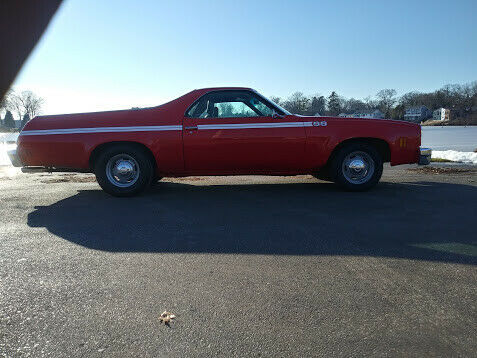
(250,266)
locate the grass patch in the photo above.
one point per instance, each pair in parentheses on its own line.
(439,170)
(72,178)
(441,160)
(450,247)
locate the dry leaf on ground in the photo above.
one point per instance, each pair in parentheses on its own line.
(166,317)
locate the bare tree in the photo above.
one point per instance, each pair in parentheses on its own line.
(25,102)
(14,104)
(411,99)
(387,99)
(370,103)
(4,100)
(353,105)
(297,103)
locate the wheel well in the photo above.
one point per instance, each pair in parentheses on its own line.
(380,144)
(96,151)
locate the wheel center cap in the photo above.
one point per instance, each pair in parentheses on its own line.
(124,168)
(357,165)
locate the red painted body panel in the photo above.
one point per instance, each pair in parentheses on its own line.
(256,150)
(324,139)
(283,150)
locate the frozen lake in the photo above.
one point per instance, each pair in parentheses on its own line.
(462,139)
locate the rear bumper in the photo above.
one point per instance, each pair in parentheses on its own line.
(14,158)
(425,156)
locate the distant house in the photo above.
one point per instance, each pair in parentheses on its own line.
(345,115)
(441,114)
(367,113)
(417,114)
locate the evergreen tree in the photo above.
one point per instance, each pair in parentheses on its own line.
(25,120)
(317,105)
(8,121)
(334,104)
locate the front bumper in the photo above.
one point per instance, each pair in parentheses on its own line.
(425,156)
(14,158)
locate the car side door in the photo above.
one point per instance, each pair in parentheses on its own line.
(238,132)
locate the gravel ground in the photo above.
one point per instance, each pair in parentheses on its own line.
(251,266)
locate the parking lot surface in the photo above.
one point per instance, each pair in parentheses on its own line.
(251,266)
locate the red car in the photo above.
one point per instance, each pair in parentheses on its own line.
(216,131)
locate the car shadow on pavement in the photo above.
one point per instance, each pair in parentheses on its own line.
(419,220)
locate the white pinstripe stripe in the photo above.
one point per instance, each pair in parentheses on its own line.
(101,130)
(252,125)
(163,128)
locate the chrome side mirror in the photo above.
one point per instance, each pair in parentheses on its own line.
(276,115)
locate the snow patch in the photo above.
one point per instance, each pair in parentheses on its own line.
(7,142)
(4,148)
(455,156)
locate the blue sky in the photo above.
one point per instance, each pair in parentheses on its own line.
(99,55)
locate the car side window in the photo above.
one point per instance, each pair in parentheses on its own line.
(234,110)
(230,104)
(263,108)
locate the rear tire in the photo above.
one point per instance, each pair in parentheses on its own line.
(123,170)
(357,167)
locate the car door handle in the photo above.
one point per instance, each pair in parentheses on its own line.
(191,128)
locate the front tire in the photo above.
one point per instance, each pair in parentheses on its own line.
(123,170)
(357,167)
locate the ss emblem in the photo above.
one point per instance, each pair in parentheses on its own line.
(322,123)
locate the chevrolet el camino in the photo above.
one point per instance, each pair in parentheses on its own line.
(216,131)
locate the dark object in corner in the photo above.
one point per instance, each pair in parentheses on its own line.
(22,22)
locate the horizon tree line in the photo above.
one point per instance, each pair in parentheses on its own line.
(461,99)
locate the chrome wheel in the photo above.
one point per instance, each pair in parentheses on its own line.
(122,170)
(358,167)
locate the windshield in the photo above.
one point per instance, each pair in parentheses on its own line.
(274,104)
